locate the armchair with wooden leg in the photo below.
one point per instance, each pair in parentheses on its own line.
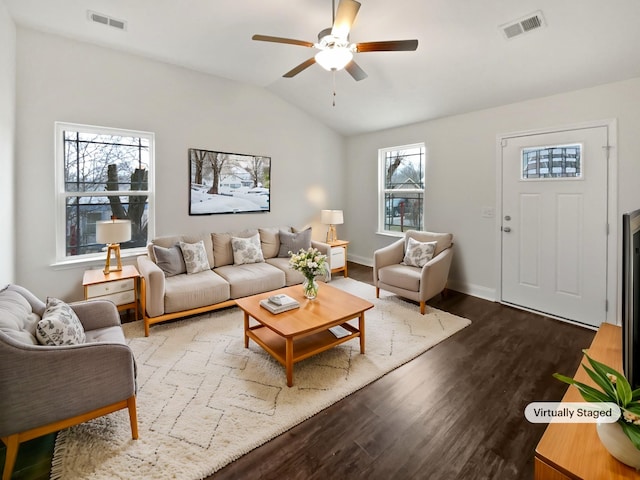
(414,267)
(45,388)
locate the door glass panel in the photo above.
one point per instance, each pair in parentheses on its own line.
(561,161)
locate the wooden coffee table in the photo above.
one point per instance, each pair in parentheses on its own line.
(302,332)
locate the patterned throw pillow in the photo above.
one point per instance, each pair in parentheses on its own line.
(195,257)
(419,253)
(59,325)
(246,250)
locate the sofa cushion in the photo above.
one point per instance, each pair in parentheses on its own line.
(184,292)
(401,276)
(252,278)
(294,242)
(17,320)
(164,242)
(246,250)
(106,334)
(170,260)
(418,253)
(291,276)
(222,249)
(59,325)
(270,240)
(444,239)
(195,257)
(170,240)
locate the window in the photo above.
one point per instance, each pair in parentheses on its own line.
(401,193)
(562,161)
(101,173)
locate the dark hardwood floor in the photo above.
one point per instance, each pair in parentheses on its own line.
(455,412)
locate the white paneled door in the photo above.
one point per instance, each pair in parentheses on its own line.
(554,224)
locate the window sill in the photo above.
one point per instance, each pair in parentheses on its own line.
(390,234)
(96,260)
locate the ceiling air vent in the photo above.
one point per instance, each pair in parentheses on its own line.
(106,20)
(523,25)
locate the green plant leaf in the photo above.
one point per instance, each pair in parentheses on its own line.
(633,408)
(635,395)
(603,369)
(604,383)
(631,431)
(624,391)
(590,394)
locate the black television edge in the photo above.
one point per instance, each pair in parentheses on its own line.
(631,297)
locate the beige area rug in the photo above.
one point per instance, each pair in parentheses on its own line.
(204,400)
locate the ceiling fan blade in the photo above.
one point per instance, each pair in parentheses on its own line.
(304,65)
(355,71)
(290,41)
(345,16)
(390,46)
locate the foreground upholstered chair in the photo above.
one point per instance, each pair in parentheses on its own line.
(398,273)
(45,388)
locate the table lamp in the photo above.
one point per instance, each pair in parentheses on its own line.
(331,218)
(112,232)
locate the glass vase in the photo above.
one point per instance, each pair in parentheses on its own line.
(310,288)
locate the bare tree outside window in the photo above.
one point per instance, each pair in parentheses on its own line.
(402,188)
(228,182)
(105,175)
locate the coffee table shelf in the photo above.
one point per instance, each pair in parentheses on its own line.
(300,333)
(303,347)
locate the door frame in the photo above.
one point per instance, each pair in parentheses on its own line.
(613,223)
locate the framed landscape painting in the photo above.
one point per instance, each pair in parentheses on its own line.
(224,182)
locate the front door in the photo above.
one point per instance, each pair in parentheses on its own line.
(554,225)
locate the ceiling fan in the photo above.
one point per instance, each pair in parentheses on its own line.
(335,52)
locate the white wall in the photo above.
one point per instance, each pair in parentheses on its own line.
(7,145)
(65,80)
(461,172)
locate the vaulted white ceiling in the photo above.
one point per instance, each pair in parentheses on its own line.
(463,61)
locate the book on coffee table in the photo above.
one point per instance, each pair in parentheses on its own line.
(339,331)
(284,304)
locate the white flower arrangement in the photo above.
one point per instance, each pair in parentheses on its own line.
(310,263)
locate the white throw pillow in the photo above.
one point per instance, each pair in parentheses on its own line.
(246,250)
(419,253)
(59,325)
(195,257)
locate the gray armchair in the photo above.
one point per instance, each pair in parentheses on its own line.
(414,283)
(44,389)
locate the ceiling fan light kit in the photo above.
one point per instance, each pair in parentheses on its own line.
(335,51)
(334,59)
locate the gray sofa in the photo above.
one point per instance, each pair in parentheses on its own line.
(167,294)
(48,388)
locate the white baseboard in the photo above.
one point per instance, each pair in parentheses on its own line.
(367,262)
(466,288)
(473,290)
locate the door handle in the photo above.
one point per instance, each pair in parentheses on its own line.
(506,229)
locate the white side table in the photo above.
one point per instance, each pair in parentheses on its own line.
(119,287)
(338,260)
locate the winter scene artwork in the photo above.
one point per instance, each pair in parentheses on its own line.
(228,182)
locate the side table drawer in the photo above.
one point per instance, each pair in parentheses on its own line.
(109,288)
(121,298)
(337,257)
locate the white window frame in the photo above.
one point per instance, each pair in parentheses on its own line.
(382,153)
(60,127)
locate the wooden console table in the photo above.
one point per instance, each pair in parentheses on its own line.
(574,450)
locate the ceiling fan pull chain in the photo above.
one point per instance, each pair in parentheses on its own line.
(333,74)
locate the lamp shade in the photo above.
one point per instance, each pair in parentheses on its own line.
(331,217)
(113,231)
(335,58)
